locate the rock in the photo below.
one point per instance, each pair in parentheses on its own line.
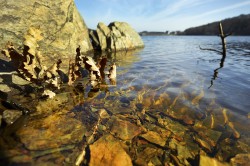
(182,151)
(51,105)
(103,33)
(10,116)
(5,88)
(203,144)
(94,40)
(124,129)
(53,131)
(176,128)
(240,160)
(115,37)
(207,161)
(211,136)
(124,37)
(103,114)
(146,157)
(18,80)
(108,151)
(60,22)
(229,148)
(154,137)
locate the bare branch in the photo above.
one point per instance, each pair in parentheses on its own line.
(210,49)
(229,34)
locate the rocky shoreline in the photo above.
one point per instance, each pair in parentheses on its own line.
(81,126)
(96,124)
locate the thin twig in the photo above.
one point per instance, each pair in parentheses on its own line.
(210,49)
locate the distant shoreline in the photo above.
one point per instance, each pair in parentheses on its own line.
(238,26)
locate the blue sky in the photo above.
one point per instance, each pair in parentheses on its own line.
(160,15)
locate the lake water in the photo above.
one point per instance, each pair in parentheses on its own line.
(177,66)
(171,103)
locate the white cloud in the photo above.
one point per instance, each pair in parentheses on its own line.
(220,10)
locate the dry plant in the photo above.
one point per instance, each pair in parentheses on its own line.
(30,66)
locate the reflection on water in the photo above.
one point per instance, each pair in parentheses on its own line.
(160,110)
(216,71)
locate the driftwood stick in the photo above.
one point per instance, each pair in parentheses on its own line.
(223,40)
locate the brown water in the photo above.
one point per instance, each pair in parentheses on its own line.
(170,85)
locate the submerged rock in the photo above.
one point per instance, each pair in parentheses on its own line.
(51,105)
(149,156)
(207,161)
(10,116)
(108,151)
(124,129)
(61,24)
(211,136)
(183,151)
(240,160)
(154,137)
(53,131)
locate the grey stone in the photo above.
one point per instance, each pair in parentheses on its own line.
(10,116)
(128,38)
(117,36)
(103,33)
(94,39)
(60,22)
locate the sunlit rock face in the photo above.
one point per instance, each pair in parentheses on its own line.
(62,27)
(116,36)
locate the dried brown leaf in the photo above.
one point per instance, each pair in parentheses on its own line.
(90,65)
(112,71)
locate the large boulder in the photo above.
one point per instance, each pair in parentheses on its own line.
(59,20)
(115,37)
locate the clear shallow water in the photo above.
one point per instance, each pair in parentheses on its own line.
(181,94)
(179,60)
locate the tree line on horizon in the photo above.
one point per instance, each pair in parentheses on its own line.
(239,26)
